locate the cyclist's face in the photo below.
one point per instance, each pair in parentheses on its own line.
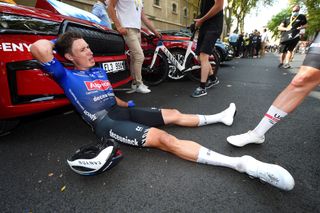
(81,55)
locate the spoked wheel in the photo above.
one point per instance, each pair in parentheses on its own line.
(195,75)
(159,71)
(174,73)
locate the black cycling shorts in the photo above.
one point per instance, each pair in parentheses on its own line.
(312,58)
(288,46)
(129,125)
(206,40)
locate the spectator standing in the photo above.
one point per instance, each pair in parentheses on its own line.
(210,22)
(240,45)
(264,42)
(100,10)
(256,40)
(233,39)
(290,27)
(127,16)
(247,46)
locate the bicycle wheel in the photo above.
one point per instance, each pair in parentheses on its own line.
(174,73)
(195,75)
(158,73)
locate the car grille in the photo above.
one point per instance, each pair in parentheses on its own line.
(101,42)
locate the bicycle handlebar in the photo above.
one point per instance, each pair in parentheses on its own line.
(151,37)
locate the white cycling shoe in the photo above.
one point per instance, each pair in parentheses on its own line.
(269,173)
(244,139)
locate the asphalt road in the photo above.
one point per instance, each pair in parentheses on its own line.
(34,171)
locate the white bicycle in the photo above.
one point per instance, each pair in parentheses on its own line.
(175,63)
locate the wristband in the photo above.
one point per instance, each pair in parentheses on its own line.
(53,41)
(131,104)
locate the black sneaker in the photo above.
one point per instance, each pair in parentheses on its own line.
(199,92)
(210,83)
(280,65)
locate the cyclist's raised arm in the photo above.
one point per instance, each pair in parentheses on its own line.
(42,50)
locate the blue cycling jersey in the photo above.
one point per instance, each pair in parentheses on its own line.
(90,91)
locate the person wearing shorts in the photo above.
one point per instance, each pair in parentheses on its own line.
(296,21)
(89,90)
(210,23)
(288,100)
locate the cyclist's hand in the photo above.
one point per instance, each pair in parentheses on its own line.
(131,104)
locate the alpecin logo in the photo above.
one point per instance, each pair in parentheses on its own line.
(98,85)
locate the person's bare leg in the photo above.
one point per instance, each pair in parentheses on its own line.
(206,68)
(301,85)
(173,116)
(192,151)
(282,58)
(287,57)
(287,101)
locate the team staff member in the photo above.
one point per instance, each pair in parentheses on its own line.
(127,16)
(288,100)
(100,10)
(210,23)
(90,91)
(295,22)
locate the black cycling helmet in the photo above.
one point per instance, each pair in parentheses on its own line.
(95,158)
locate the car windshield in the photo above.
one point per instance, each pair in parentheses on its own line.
(13,23)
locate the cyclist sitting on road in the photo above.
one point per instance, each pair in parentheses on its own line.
(90,91)
(288,100)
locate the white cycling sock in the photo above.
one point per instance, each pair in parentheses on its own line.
(226,117)
(273,116)
(209,119)
(210,157)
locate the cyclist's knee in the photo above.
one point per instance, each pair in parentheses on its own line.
(302,78)
(171,115)
(167,142)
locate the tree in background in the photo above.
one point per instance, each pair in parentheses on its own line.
(313,14)
(236,10)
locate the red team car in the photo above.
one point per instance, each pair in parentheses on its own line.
(24,88)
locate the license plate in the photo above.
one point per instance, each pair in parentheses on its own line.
(115,66)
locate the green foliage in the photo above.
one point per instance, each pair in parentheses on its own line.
(276,20)
(313,7)
(239,9)
(313,14)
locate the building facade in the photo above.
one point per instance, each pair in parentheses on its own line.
(171,14)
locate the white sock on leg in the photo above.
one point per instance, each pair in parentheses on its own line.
(273,116)
(225,117)
(210,157)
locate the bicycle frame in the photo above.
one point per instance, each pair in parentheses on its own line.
(172,59)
